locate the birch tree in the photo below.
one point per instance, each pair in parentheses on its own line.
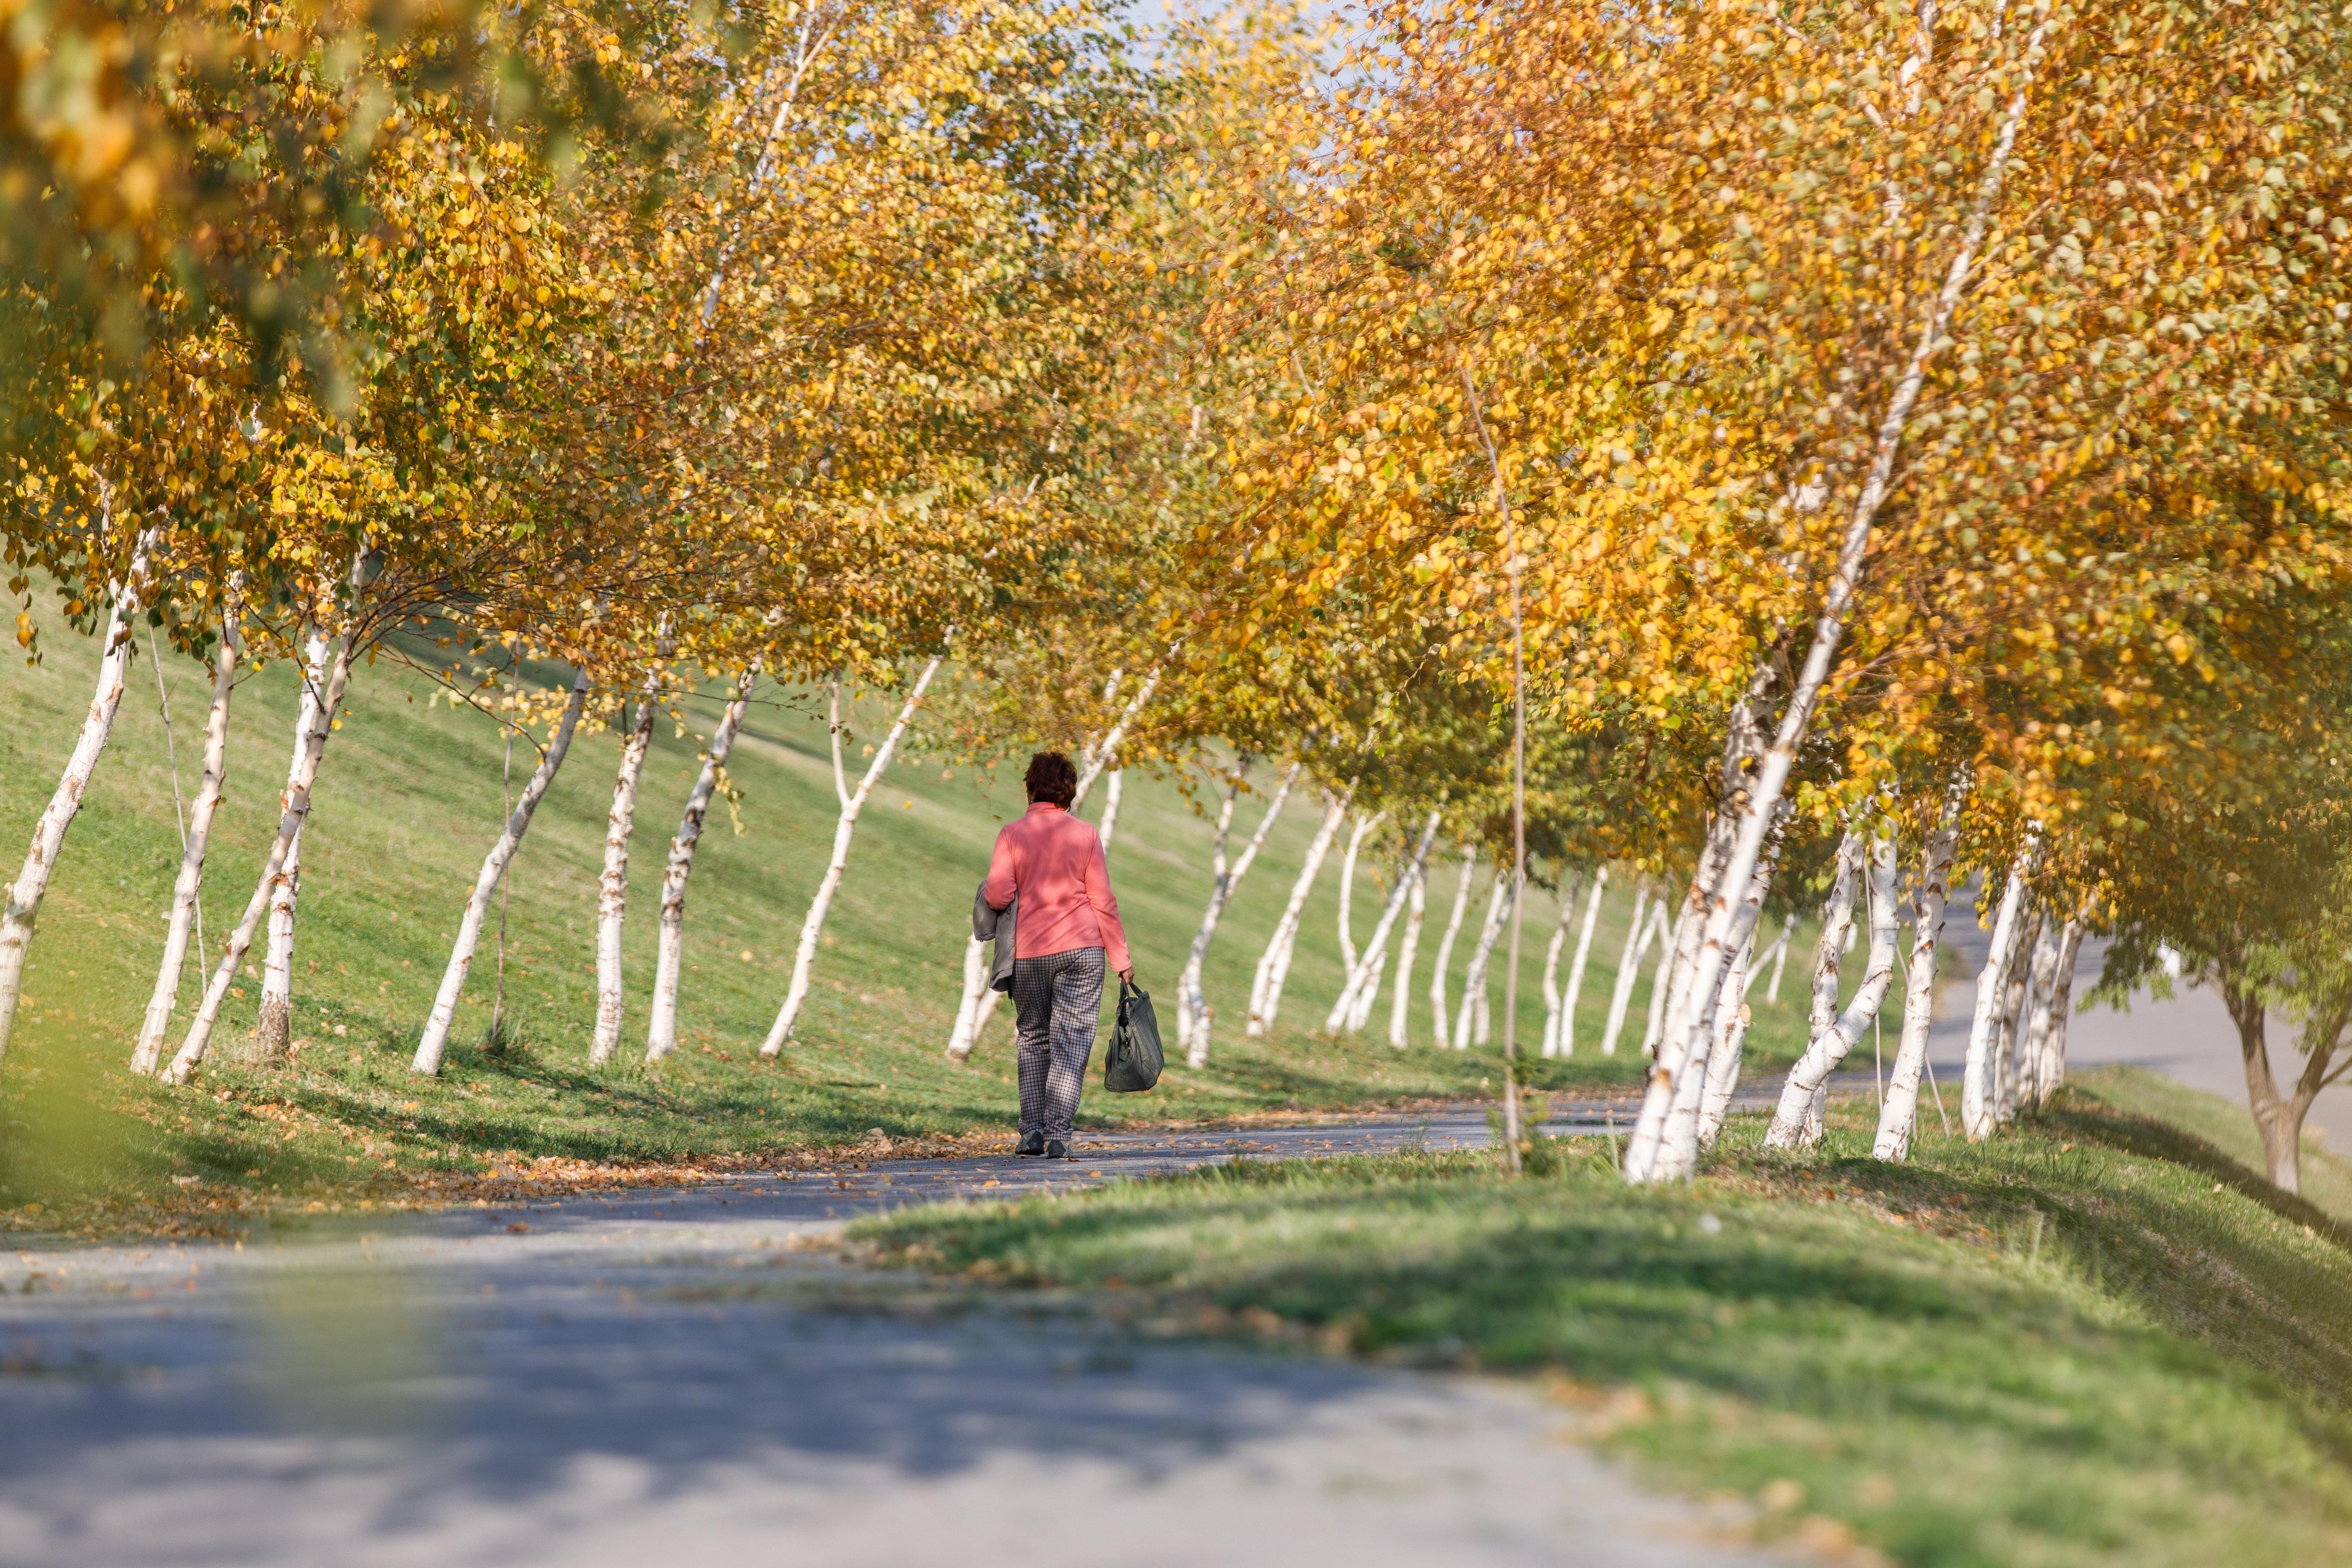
(1797,1122)
(273,1029)
(1898,1113)
(25,894)
(1467,1024)
(661,1033)
(852,801)
(1274,964)
(1401,999)
(1192,1005)
(613,881)
(1638,933)
(188,887)
(1561,1039)
(435,1039)
(1344,1010)
(1980,1109)
(1437,1017)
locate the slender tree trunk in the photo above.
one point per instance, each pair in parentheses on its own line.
(436,1038)
(1629,970)
(969,1012)
(1797,1122)
(1567,1039)
(2009,1040)
(1368,994)
(1829,954)
(1979,1107)
(1723,1057)
(853,802)
(1191,1003)
(2034,1035)
(1473,978)
(1780,961)
(1899,1111)
(1758,809)
(1662,979)
(2277,1118)
(2050,1062)
(23,906)
(1348,957)
(1677,1156)
(1401,1000)
(187,889)
(612,885)
(1092,762)
(1345,1008)
(1437,1020)
(294,809)
(1274,964)
(1551,966)
(661,1033)
(273,1030)
(1112,788)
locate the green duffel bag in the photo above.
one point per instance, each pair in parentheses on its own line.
(1134,1062)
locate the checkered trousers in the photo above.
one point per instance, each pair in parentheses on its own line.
(1057,1003)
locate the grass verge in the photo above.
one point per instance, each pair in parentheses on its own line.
(2098,1340)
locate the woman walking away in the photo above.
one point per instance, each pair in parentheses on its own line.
(1067,931)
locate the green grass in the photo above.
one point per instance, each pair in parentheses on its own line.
(407,802)
(2099,1341)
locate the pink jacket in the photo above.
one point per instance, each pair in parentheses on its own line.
(1056,863)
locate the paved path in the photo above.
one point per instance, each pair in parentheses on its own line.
(680,1377)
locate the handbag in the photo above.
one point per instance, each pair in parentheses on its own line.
(1134,1062)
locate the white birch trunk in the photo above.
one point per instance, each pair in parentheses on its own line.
(969,1011)
(1348,957)
(853,802)
(1662,979)
(1780,961)
(1368,994)
(24,896)
(1112,788)
(1401,999)
(1093,761)
(1473,978)
(1978,1108)
(1551,966)
(1728,918)
(1629,971)
(436,1038)
(294,809)
(1274,964)
(2009,1050)
(1567,1040)
(186,891)
(1797,1122)
(1677,1158)
(273,1028)
(1345,1008)
(2050,1057)
(1900,1109)
(613,884)
(2034,1029)
(661,1033)
(1723,1057)
(1437,1021)
(1191,1003)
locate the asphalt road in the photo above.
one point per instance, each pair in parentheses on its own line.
(690,1377)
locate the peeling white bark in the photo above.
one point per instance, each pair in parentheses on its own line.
(1676,1155)
(273,1027)
(436,1038)
(294,809)
(1437,1021)
(1274,964)
(1629,970)
(1566,1040)
(1473,978)
(1797,1122)
(1979,1107)
(669,957)
(186,891)
(1401,1000)
(852,801)
(2057,1003)
(1193,1016)
(613,884)
(1897,1114)
(1345,1008)
(24,896)
(1723,1057)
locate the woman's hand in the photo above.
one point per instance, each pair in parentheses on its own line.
(1126,975)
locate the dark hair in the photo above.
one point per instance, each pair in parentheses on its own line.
(1052,777)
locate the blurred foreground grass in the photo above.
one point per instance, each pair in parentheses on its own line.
(2100,1341)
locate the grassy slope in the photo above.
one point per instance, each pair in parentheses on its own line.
(408,801)
(2100,1341)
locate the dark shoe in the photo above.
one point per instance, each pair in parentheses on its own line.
(1057,1149)
(1031,1143)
